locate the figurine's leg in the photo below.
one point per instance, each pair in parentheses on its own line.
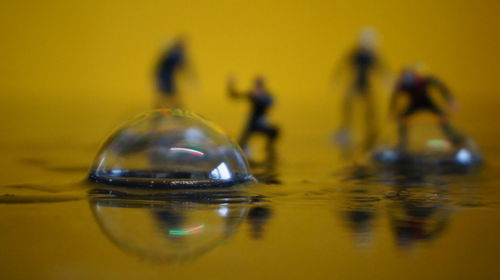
(171,101)
(448,130)
(343,136)
(370,121)
(403,127)
(403,134)
(272,133)
(168,96)
(455,137)
(245,137)
(346,117)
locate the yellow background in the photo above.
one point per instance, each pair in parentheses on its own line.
(104,51)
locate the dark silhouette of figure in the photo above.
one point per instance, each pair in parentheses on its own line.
(171,64)
(257,218)
(417,89)
(172,61)
(360,206)
(419,211)
(363,63)
(417,220)
(359,215)
(418,204)
(261,101)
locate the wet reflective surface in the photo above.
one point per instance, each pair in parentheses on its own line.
(314,215)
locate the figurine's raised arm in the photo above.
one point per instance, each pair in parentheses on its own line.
(231,89)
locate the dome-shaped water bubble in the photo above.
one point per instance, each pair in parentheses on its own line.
(425,140)
(170,149)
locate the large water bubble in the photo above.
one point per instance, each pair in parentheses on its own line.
(169,149)
(427,141)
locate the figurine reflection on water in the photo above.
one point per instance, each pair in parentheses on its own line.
(171,65)
(257,219)
(415,219)
(418,208)
(261,101)
(360,215)
(363,64)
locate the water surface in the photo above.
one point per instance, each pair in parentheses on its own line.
(314,216)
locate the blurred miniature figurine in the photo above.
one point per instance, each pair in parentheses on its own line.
(261,101)
(170,65)
(363,63)
(417,88)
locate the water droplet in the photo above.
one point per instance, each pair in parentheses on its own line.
(170,149)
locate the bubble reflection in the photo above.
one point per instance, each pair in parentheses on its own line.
(170,226)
